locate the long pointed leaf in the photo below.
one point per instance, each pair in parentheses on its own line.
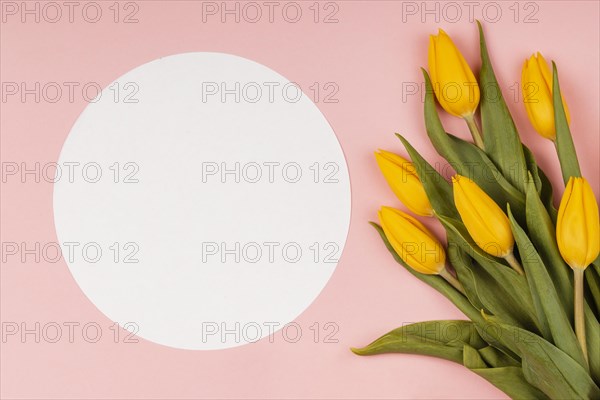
(463,265)
(500,136)
(542,233)
(483,290)
(592,329)
(509,379)
(544,365)
(507,287)
(592,279)
(549,309)
(496,358)
(436,282)
(443,339)
(567,155)
(438,190)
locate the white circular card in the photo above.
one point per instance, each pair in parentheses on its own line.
(202,200)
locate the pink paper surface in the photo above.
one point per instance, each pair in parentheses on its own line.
(373,54)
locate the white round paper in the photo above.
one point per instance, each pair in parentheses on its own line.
(203,201)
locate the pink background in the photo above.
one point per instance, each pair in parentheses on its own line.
(369,53)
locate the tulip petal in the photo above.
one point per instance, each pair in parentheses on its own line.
(577,229)
(453,81)
(561,215)
(545,69)
(536,81)
(590,209)
(402,178)
(486,222)
(412,241)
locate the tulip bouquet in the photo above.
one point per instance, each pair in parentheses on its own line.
(525,274)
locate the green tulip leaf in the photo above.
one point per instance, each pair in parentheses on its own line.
(532,168)
(556,326)
(542,233)
(565,148)
(442,339)
(496,358)
(504,292)
(547,195)
(592,330)
(545,366)
(542,183)
(500,136)
(463,265)
(435,281)
(509,379)
(512,382)
(592,278)
(483,290)
(472,359)
(437,188)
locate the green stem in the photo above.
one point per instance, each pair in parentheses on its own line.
(512,261)
(452,280)
(475,131)
(579,317)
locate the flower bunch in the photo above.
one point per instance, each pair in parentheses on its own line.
(525,274)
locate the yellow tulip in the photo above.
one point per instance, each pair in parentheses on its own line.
(487,224)
(577,227)
(453,81)
(412,241)
(536,81)
(578,238)
(402,177)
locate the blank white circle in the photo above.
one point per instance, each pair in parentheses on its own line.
(202,200)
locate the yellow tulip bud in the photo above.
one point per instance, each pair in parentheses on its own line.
(536,81)
(453,81)
(412,241)
(487,224)
(577,227)
(402,177)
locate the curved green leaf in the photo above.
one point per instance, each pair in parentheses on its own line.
(443,339)
(462,263)
(436,282)
(550,312)
(500,136)
(509,379)
(483,290)
(547,195)
(438,190)
(567,155)
(592,278)
(542,233)
(496,358)
(506,292)
(533,169)
(592,329)
(544,365)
